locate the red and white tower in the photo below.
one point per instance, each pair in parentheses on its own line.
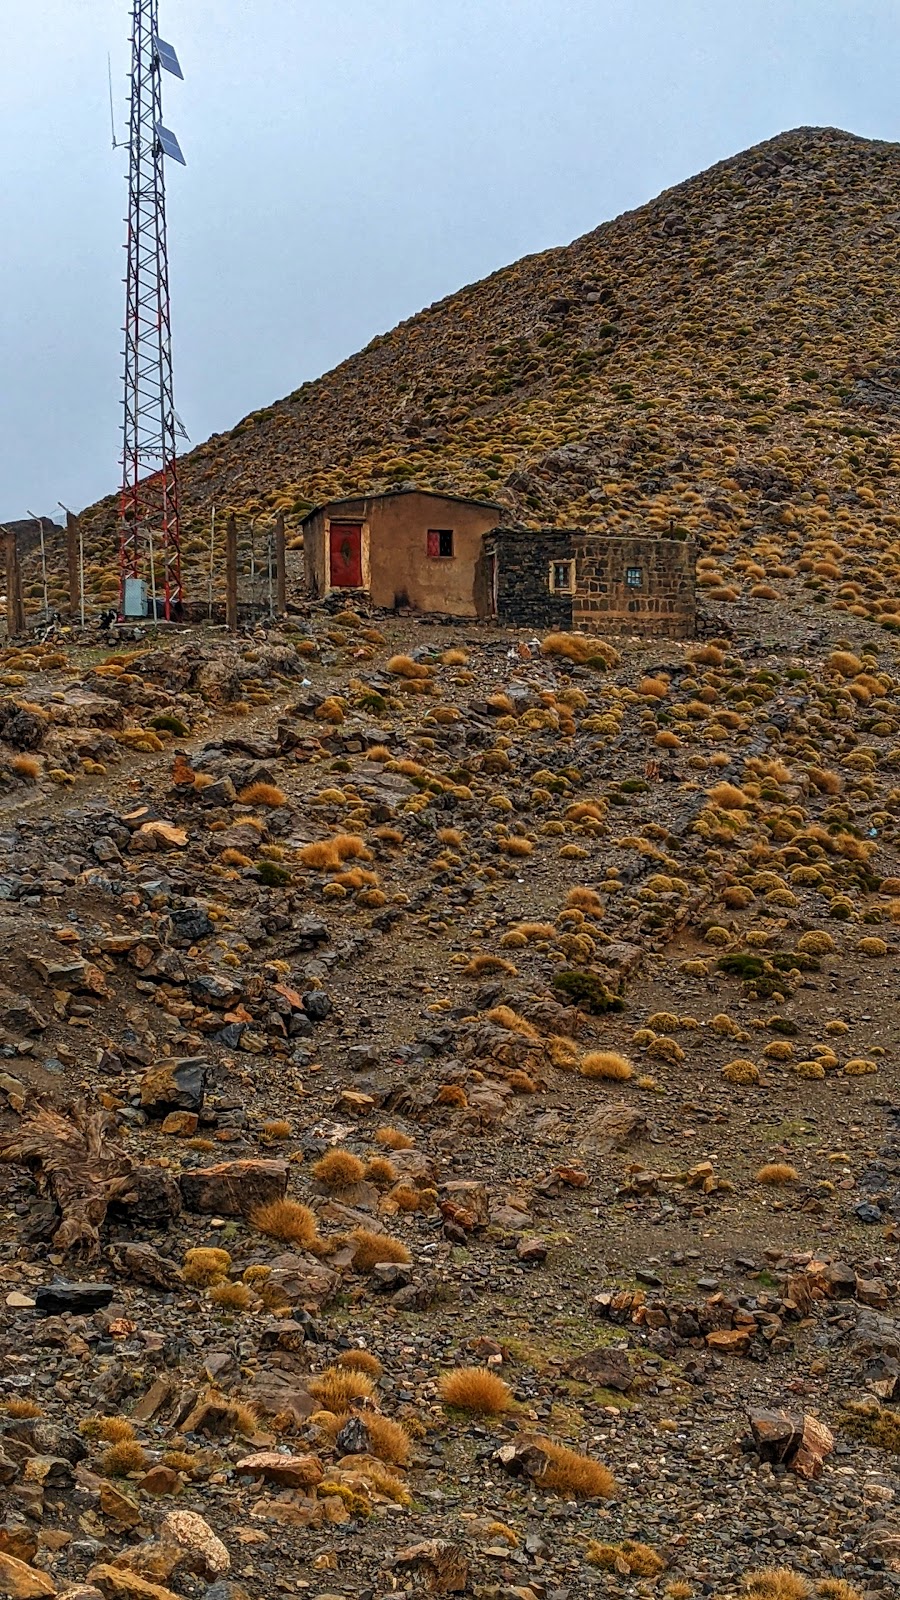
(150,536)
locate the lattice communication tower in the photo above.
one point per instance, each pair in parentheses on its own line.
(150,535)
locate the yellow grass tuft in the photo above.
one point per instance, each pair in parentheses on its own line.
(579,649)
(361,1361)
(231,1296)
(337,1387)
(122,1458)
(26,767)
(475,1389)
(392,1139)
(640,1559)
(287,1220)
(741,1071)
(205,1266)
(388,1440)
(262,794)
(571,1473)
(777,1172)
(21,1408)
(776,1583)
(381,1171)
(405,667)
(338,1169)
(606,1064)
(371,1248)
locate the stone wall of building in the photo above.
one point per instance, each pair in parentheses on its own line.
(635,585)
(518,564)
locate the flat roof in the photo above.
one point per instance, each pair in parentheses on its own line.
(389,494)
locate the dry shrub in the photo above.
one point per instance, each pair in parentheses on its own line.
(516,846)
(505,1017)
(388,1440)
(361,1361)
(380,1171)
(121,1459)
(577,648)
(371,1248)
(606,1064)
(26,767)
(454,658)
(859,1067)
(337,1387)
(287,1220)
(639,1559)
(816,942)
(475,1389)
(587,900)
(262,794)
(871,946)
(276,1130)
(481,965)
(653,688)
(844,663)
(571,1473)
(664,1022)
(776,1583)
(112,1430)
(405,667)
(741,1071)
(708,655)
(205,1266)
(727,796)
(21,1408)
(235,858)
(392,1139)
(777,1172)
(338,1169)
(452,1094)
(231,1296)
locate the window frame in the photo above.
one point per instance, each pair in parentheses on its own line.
(634,577)
(558,588)
(438,536)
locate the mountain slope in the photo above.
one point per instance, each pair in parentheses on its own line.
(715,360)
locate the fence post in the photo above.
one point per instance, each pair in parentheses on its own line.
(72,563)
(231,574)
(280,567)
(15,607)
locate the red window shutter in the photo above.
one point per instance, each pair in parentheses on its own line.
(434,542)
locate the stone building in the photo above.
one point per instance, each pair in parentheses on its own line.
(451,556)
(599,583)
(406,547)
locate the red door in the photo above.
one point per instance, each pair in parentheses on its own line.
(345,552)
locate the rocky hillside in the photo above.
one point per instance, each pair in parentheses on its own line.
(722,359)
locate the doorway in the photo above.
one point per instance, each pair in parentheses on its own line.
(345,555)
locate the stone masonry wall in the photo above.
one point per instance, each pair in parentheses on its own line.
(524,596)
(664,605)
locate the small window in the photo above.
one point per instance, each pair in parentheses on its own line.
(634,578)
(440,543)
(562,577)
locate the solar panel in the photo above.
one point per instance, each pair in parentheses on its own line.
(167,58)
(170,144)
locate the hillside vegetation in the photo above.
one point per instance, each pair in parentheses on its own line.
(723,360)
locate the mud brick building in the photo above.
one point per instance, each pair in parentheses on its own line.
(406,547)
(451,556)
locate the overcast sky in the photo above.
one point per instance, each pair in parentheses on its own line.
(349,162)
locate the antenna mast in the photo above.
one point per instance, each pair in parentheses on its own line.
(149,510)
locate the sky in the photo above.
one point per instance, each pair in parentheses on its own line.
(350,162)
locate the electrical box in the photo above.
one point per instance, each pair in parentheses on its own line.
(135,599)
